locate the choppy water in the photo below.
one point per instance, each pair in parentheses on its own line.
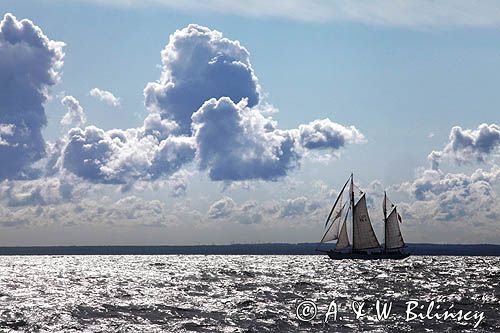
(238,293)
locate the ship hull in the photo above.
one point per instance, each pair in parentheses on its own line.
(367,256)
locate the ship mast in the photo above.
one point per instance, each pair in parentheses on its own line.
(384,206)
(352,206)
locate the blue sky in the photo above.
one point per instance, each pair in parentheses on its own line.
(403,77)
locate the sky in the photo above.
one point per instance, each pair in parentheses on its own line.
(167,122)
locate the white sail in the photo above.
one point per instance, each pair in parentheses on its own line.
(343,241)
(363,235)
(393,233)
(333,231)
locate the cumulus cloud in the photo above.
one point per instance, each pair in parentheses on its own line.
(237,143)
(431,183)
(437,199)
(253,212)
(42,191)
(6,130)
(221,208)
(105,96)
(466,145)
(294,207)
(209,89)
(121,156)
(200,64)
(178,183)
(140,210)
(325,134)
(456,197)
(206,102)
(435,159)
(130,210)
(75,114)
(29,64)
(206,107)
(159,128)
(249,212)
(171,155)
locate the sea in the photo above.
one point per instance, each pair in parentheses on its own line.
(245,293)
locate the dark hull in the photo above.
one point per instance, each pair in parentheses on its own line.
(367,256)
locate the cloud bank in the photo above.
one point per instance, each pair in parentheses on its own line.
(253,212)
(454,206)
(469,201)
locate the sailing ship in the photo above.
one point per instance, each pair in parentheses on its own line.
(365,244)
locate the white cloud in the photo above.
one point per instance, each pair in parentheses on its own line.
(29,65)
(129,210)
(292,211)
(206,102)
(122,156)
(431,183)
(401,13)
(325,134)
(454,206)
(178,183)
(199,64)
(6,130)
(43,191)
(159,128)
(236,142)
(249,212)
(105,96)
(466,146)
(294,207)
(221,208)
(75,114)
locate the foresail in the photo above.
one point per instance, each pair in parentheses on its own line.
(394,238)
(338,203)
(343,241)
(363,234)
(333,231)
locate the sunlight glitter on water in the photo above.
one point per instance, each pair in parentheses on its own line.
(235,293)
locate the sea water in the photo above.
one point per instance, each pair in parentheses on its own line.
(187,293)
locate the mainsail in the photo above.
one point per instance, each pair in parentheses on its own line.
(343,241)
(394,239)
(363,236)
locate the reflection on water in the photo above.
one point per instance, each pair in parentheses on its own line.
(236,293)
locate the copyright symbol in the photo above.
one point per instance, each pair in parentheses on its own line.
(306,310)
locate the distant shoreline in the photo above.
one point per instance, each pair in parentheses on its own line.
(241,249)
